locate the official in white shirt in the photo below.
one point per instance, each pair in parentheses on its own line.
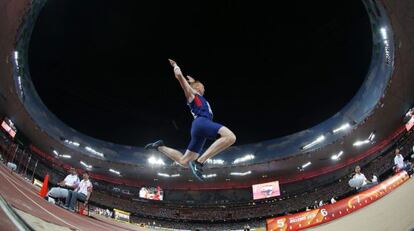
(399,163)
(70,182)
(82,193)
(359,181)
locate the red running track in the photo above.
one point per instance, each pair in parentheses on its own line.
(22,195)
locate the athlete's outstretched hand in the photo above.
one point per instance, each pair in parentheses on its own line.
(185,83)
(190,79)
(177,71)
(173,63)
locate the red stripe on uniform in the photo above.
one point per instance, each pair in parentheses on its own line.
(198,101)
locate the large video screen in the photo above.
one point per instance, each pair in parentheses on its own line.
(9,129)
(410,124)
(266,190)
(151,193)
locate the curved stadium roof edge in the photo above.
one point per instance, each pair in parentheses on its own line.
(365,113)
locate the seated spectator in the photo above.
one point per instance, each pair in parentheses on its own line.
(70,182)
(82,193)
(399,164)
(246,228)
(359,181)
(108,213)
(374,179)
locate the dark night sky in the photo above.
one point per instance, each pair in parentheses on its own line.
(270,68)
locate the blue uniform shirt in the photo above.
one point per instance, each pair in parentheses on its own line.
(202,127)
(200,107)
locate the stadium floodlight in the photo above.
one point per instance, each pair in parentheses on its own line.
(55,152)
(360,142)
(337,156)
(209,175)
(215,161)
(115,171)
(93,151)
(306,165)
(168,175)
(16,58)
(315,142)
(19,80)
(384,33)
(86,165)
(371,138)
(65,156)
(163,174)
(240,173)
(76,144)
(155,161)
(243,159)
(341,128)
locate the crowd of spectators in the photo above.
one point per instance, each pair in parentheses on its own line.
(174,215)
(237,215)
(180,225)
(296,203)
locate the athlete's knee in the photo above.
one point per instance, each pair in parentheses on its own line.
(228,135)
(232,138)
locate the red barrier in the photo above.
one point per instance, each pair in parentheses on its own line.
(341,208)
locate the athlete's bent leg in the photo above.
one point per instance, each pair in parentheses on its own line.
(227,138)
(177,156)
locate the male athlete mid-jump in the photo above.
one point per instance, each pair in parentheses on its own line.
(202,128)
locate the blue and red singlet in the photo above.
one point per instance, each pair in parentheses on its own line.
(203,127)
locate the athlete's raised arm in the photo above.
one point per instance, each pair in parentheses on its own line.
(188,90)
